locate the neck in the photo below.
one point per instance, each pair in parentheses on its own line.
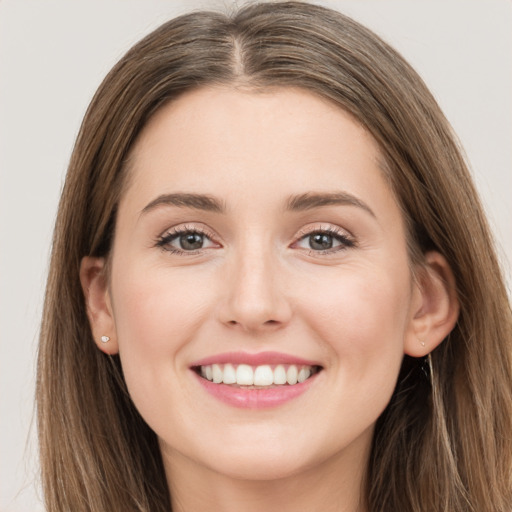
(332,486)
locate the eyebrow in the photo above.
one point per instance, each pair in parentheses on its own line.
(296,203)
(196,201)
(311,200)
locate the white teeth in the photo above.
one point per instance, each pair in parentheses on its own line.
(291,375)
(229,374)
(279,375)
(244,375)
(304,373)
(217,374)
(263,375)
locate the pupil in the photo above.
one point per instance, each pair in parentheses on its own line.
(320,241)
(191,241)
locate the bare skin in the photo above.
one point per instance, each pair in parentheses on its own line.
(299,248)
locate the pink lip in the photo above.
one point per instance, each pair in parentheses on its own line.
(254,359)
(247,398)
(253,398)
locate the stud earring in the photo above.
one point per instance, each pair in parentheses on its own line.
(105,339)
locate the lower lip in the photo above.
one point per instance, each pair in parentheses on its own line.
(250,398)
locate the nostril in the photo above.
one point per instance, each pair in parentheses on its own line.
(267,322)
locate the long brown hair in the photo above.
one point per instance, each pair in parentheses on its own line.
(444,443)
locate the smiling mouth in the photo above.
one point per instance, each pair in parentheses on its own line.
(257,377)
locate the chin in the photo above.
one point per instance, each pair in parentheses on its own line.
(260,467)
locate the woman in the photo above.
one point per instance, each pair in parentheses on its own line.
(272,284)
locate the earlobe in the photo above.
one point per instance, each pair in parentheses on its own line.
(436,309)
(99,308)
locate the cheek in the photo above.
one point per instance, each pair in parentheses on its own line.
(361,317)
(157,314)
(153,307)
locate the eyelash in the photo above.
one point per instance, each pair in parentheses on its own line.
(345,240)
(340,236)
(164,240)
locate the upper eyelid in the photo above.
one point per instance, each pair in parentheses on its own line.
(185,228)
(345,237)
(328,228)
(168,235)
(299,235)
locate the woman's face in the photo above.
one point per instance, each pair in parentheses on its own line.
(258,238)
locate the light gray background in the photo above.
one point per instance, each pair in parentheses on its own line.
(53,55)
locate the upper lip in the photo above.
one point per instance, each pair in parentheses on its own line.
(256,359)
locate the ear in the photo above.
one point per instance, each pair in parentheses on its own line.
(435,306)
(97,299)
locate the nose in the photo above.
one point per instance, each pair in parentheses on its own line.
(255,300)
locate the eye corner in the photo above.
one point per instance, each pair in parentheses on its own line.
(331,240)
(198,235)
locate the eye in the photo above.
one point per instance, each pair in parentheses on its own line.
(185,240)
(322,241)
(190,241)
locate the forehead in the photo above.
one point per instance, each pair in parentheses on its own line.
(255,148)
(240,128)
(255,154)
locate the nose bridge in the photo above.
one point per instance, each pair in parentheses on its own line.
(256,298)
